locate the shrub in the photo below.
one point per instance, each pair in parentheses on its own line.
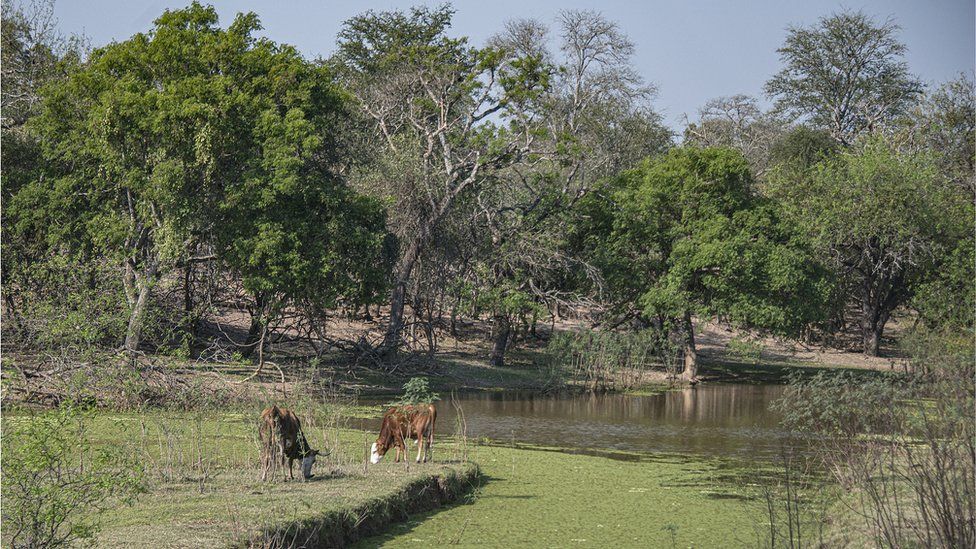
(55,482)
(746,349)
(603,359)
(902,448)
(417,391)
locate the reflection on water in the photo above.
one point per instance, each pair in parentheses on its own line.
(728,420)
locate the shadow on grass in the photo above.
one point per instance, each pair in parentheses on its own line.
(416,519)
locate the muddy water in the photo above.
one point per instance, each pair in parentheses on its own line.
(720,420)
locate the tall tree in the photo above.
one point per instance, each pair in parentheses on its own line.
(846,74)
(190,139)
(945,121)
(33,53)
(884,219)
(686,235)
(432,100)
(594,120)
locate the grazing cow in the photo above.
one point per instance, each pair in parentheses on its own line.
(282,437)
(400,424)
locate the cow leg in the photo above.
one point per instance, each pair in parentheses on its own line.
(420,448)
(429,454)
(280,460)
(265,465)
(291,471)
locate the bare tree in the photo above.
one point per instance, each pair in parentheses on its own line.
(432,100)
(846,74)
(594,120)
(739,123)
(32,47)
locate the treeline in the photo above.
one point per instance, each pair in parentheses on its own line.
(149,181)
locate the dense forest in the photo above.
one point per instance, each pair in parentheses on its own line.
(200,195)
(151,182)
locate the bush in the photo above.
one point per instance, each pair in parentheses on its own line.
(746,349)
(417,391)
(55,482)
(902,448)
(605,359)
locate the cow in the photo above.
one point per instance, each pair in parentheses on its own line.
(400,424)
(282,437)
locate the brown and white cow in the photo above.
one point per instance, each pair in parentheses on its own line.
(402,423)
(281,438)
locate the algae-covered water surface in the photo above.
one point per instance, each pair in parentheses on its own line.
(674,469)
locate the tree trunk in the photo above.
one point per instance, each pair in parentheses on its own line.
(878,299)
(258,321)
(872,328)
(394,327)
(690,372)
(137,315)
(502,328)
(189,318)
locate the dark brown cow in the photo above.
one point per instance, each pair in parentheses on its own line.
(400,424)
(282,437)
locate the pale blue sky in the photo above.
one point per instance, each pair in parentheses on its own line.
(691,50)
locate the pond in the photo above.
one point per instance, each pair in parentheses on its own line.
(718,420)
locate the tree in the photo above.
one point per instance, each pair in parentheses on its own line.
(686,234)
(884,219)
(845,74)
(802,148)
(432,100)
(594,120)
(33,53)
(737,122)
(194,143)
(945,121)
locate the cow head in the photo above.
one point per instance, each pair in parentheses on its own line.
(307,461)
(377,452)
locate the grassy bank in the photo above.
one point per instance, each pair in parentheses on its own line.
(203,486)
(330,510)
(200,472)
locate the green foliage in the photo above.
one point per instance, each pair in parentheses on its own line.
(56,482)
(686,233)
(601,359)
(746,349)
(803,147)
(842,404)
(417,391)
(193,140)
(894,227)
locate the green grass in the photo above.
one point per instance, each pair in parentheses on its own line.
(204,490)
(202,474)
(235,508)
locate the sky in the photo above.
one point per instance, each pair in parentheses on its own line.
(692,50)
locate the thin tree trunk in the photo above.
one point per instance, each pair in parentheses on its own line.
(502,329)
(137,315)
(392,338)
(189,319)
(690,353)
(258,323)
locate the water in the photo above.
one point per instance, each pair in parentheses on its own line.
(718,420)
